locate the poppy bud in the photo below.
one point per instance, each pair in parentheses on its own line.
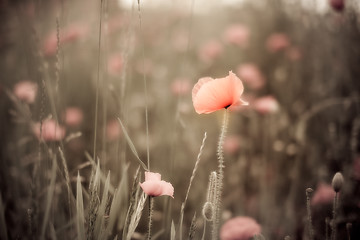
(337,182)
(337,5)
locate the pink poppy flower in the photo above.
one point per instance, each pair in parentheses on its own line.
(115,64)
(26,91)
(180,86)
(73,116)
(154,186)
(113,130)
(277,42)
(239,228)
(231,144)
(293,53)
(337,5)
(237,34)
(210,95)
(210,51)
(70,34)
(251,75)
(324,194)
(266,105)
(51,131)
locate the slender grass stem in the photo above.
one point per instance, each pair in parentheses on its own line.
(151,206)
(333,223)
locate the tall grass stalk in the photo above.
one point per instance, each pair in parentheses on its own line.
(67,179)
(80,217)
(219,182)
(99,223)
(145,91)
(333,222)
(98,79)
(191,180)
(94,188)
(49,198)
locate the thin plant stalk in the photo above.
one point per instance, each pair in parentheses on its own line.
(333,223)
(151,207)
(308,208)
(219,182)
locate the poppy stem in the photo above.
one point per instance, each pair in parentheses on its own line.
(151,206)
(219,182)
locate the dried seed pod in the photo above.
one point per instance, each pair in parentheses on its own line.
(208,211)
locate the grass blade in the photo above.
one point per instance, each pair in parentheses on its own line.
(172,233)
(136,216)
(49,198)
(101,211)
(132,146)
(80,218)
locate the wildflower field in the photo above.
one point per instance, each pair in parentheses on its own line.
(230,120)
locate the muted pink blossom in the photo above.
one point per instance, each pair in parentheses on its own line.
(51,131)
(323,194)
(294,53)
(210,51)
(231,144)
(113,130)
(154,186)
(239,228)
(115,64)
(237,34)
(251,75)
(26,91)
(277,42)
(73,116)
(180,86)
(70,34)
(266,105)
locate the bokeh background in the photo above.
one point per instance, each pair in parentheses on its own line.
(72,68)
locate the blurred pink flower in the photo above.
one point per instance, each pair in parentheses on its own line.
(277,42)
(337,5)
(26,91)
(293,53)
(231,144)
(239,228)
(115,64)
(210,51)
(323,194)
(154,186)
(51,131)
(73,116)
(70,34)
(180,86)
(210,95)
(237,34)
(113,130)
(251,75)
(266,105)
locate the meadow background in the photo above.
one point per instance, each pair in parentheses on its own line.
(85,64)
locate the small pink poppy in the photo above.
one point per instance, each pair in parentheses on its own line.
(251,75)
(337,5)
(115,64)
(239,228)
(210,51)
(210,95)
(69,34)
(277,42)
(113,130)
(231,144)
(180,86)
(293,53)
(237,34)
(51,131)
(323,194)
(26,91)
(154,186)
(73,116)
(266,105)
